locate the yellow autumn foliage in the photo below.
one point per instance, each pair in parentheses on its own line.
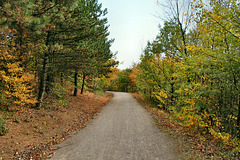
(15,83)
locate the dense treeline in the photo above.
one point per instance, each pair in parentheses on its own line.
(193,70)
(118,80)
(46,44)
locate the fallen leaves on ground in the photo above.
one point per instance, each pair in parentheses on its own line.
(33,134)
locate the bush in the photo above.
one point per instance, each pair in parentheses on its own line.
(59,95)
(3,128)
(3,101)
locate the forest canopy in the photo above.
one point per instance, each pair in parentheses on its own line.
(45,44)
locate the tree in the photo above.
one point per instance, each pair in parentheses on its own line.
(14,82)
(197,81)
(55,38)
(179,12)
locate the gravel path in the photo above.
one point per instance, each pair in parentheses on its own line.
(123,130)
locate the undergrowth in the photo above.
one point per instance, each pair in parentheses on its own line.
(3,127)
(204,143)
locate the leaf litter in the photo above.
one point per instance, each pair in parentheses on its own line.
(34,134)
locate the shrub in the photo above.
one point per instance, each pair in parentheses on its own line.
(3,128)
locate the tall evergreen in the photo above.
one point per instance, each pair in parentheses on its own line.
(54,38)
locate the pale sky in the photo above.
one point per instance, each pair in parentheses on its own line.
(132,24)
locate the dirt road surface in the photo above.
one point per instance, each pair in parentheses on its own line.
(123,130)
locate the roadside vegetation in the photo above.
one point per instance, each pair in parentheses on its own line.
(191,71)
(49,49)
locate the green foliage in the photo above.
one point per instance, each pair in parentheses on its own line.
(123,82)
(60,94)
(3,128)
(3,101)
(102,84)
(44,41)
(201,88)
(16,119)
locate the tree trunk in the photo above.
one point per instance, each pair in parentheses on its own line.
(42,84)
(51,72)
(75,83)
(172,93)
(49,82)
(61,78)
(183,32)
(83,82)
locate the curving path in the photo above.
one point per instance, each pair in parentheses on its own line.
(123,130)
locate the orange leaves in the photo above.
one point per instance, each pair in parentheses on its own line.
(7,31)
(112,60)
(49,27)
(15,82)
(52,26)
